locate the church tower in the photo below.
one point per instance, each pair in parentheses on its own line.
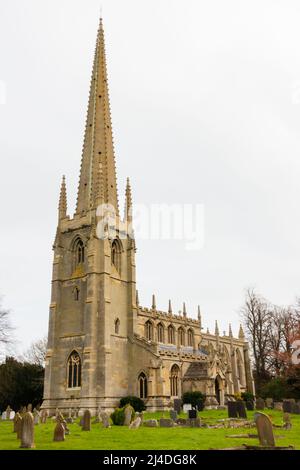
(93,308)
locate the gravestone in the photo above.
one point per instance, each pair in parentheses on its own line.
(173,414)
(177,404)
(260,404)
(287,421)
(18,425)
(44,416)
(264,430)
(269,403)
(287,406)
(3,416)
(192,414)
(105,419)
(7,412)
(29,408)
(86,421)
(166,423)
(27,432)
(194,422)
(250,405)
(59,432)
(278,405)
(232,409)
(136,423)
(36,417)
(151,423)
(128,413)
(181,421)
(187,407)
(296,408)
(241,409)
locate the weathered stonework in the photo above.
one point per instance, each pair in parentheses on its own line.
(101,344)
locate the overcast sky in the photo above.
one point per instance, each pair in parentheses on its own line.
(205,100)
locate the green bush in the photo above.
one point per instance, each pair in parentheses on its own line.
(247,396)
(118,416)
(278,389)
(136,403)
(196,399)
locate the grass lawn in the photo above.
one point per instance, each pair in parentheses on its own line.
(122,438)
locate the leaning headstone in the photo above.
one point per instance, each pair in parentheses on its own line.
(151,423)
(105,419)
(177,404)
(136,423)
(166,423)
(232,409)
(260,404)
(241,409)
(264,430)
(27,432)
(287,406)
(59,433)
(287,421)
(173,414)
(129,413)
(60,419)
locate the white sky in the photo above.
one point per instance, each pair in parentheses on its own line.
(205,100)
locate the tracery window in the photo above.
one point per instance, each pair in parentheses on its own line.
(174,380)
(190,335)
(171,334)
(181,336)
(160,333)
(74,370)
(142,382)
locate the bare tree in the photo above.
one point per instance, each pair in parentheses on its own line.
(257,320)
(5,327)
(36,353)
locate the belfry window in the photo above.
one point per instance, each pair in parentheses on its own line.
(181,337)
(79,252)
(116,254)
(142,382)
(74,370)
(160,333)
(174,379)
(190,335)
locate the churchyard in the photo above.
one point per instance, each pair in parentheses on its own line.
(216,432)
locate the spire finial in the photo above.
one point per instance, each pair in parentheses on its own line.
(170,308)
(230,331)
(128,202)
(207,331)
(153,302)
(241,333)
(217,329)
(62,207)
(199,317)
(184,309)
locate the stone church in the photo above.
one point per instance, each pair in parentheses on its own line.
(102,344)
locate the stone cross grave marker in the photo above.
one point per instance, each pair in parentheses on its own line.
(27,432)
(264,430)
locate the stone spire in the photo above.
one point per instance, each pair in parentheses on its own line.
(241,333)
(128,202)
(230,331)
(184,309)
(153,302)
(170,308)
(199,317)
(62,207)
(97,182)
(217,329)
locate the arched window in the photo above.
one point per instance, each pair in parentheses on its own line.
(181,335)
(174,380)
(149,330)
(240,368)
(142,382)
(117,326)
(190,335)
(74,370)
(76,293)
(171,334)
(79,252)
(160,333)
(116,251)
